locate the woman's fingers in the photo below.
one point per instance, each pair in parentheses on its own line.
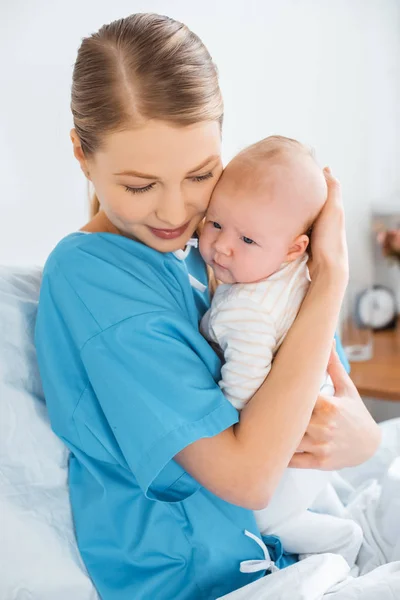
(328,236)
(307,444)
(308,460)
(320,432)
(315,449)
(334,189)
(341,431)
(316,444)
(302,460)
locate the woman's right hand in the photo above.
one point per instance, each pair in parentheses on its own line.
(341,432)
(328,238)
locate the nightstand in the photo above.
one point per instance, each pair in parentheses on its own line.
(380,376)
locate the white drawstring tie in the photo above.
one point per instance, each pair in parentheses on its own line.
(193,242)
(252,566)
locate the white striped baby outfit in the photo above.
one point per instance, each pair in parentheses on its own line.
(249,322)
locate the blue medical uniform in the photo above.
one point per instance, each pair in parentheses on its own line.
(129,382)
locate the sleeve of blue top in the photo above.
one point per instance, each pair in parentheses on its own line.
(158,396)
(341,353)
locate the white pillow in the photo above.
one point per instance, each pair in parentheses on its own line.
(39,559)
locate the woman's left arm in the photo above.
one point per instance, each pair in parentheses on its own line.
(341,432)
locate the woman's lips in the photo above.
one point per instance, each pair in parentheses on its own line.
(169,234)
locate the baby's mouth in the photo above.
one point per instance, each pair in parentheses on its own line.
(217,264)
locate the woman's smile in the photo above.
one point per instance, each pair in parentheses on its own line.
(169,234)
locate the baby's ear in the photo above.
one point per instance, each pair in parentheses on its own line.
(297,247)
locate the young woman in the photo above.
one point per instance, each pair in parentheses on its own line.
(163,474)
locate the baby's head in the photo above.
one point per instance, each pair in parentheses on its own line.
(261,209)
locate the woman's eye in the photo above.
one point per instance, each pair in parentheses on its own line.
(248,240)
(202,177)
(216,225)
(139,190)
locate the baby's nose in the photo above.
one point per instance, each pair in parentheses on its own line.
(222,245)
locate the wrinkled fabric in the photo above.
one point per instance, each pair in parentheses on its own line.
(39,559)
(370,494)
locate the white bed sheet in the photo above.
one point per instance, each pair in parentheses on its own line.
(39,559)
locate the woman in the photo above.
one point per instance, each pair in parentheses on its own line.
(163,475)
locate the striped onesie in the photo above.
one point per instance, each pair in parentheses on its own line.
(249,322)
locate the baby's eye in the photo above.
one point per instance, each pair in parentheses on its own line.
(216,225)
(247,240)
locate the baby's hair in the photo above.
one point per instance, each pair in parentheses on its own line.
(145,66)
(272,147)
(276,146)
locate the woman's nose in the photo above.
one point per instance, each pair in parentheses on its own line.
(172,210)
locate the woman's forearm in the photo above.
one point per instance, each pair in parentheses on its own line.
(273,422)
(243,464)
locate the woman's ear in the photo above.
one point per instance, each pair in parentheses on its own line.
(78,152)
(297,247)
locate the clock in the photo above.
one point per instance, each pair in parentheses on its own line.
(375,307)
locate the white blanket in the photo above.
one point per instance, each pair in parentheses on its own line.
(369,494)
(39,559)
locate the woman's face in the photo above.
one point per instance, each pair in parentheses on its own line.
(154,183)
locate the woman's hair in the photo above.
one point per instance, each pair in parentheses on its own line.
(145,66)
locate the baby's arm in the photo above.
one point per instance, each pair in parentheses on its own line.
(247,337)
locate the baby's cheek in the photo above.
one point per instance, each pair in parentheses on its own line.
(205,245)
(253,266)
(241,265)
(269,263)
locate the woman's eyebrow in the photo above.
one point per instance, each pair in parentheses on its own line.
(148,176)
(137,174)
(204,163)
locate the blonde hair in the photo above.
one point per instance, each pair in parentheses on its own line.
(145,66)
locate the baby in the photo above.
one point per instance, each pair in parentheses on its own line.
(255,240)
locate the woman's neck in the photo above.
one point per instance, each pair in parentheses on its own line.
(100,223)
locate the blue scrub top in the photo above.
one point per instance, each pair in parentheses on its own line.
(129,382)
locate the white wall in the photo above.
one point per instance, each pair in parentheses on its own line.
(324,71)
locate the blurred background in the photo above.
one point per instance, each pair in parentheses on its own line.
(324,72)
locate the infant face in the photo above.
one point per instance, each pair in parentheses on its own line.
(258,216)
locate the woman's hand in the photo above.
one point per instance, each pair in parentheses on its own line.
(328,239)
(341,432)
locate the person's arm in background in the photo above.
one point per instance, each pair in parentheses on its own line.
(244,463)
